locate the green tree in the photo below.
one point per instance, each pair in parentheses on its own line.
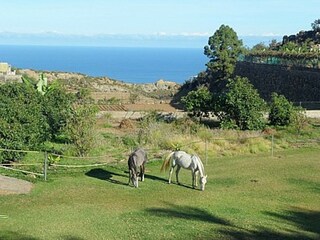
(241,106)
(223,49)
(57,108)
(80,128)
(316,25)
(274,44)
(198,102)
(260,47)
(22,123)
(281,110)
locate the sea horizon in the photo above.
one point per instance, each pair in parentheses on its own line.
(127,64)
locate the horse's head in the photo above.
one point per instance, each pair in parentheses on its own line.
(203,181)
(134,179)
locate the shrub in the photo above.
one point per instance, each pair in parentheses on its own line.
(299,119)
(79,128)
(198,102)
(241,106)
(57,109)
(22,123)
(281,110)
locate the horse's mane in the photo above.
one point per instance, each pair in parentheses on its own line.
(200,165)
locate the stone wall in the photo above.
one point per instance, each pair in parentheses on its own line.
(297,84)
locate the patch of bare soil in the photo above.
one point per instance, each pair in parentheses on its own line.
(162,107)
(9,185)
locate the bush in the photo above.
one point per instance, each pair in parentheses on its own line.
(79,128)
(198,102)
(281,110)
(57,109)
(22,123)
(299,120)
(241,106)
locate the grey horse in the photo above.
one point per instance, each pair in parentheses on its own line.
(136,162)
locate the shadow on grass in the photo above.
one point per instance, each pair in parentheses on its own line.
(155,178)
(302,219)
(15,236)
(305,225)
(186,186)
(181,184)
(305,184)
(18,236)
(71,238)
(188,213)
(105,175)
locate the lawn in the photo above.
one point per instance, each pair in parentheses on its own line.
(246,197)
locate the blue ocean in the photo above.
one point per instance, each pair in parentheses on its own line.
(132,65)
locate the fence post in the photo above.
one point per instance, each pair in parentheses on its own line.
(272,145)
(206,150)
(45,166)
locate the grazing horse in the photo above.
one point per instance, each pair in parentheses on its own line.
(187,161)
(136,162)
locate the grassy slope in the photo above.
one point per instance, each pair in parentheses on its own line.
(246,198)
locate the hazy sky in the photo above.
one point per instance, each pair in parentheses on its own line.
(175,23)
(246,17)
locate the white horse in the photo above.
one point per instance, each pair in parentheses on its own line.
(136,162)
(187,161)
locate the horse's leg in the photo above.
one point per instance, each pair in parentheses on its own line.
(142,168)
(137,181)
(196,178)
(177,173)
(193,178)
(170,174)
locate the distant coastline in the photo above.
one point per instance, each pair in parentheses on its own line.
(129,62)
(132,65)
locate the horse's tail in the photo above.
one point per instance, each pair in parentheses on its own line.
(166,162)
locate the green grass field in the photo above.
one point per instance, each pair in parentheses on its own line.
(246,197)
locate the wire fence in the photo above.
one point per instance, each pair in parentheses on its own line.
(45,162)
(294,59)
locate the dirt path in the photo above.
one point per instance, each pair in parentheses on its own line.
(9,185)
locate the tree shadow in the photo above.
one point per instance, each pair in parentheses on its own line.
(305,220)
(15,236)
(69,237)
(188,213)
(18,236)
(305,184)
(105,175)
(305,223)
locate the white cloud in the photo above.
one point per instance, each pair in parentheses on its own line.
(184,34)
